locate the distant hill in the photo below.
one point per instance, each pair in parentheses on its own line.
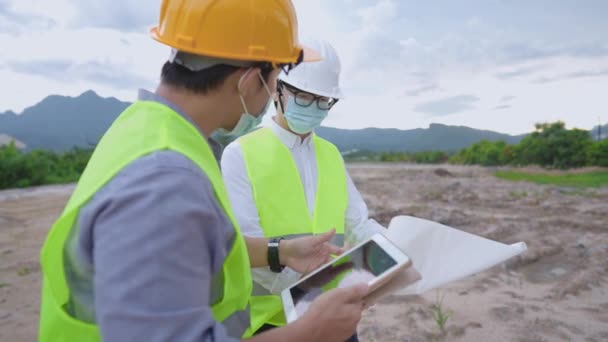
(437,137)
(60,123)
(604,130)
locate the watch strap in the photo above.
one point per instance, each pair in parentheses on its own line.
(273,255)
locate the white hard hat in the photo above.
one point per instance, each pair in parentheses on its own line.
(320,78)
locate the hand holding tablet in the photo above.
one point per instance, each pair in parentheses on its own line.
(372,262)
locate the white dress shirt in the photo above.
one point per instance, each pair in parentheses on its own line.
(357,224)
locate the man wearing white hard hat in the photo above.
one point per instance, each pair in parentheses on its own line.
(285,182)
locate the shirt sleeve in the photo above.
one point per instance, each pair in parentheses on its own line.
(240,193)
(239,190)
(159,238)
(358,225)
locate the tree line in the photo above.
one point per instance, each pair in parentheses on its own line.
(20,169)
(550,145)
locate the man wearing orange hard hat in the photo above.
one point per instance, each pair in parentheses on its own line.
(147,248)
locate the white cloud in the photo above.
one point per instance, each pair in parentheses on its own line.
(14,20)
(382,12)
(105,60)
(98,72)
(123,15)
(574,75)
(61,12)
(447,106)
(423,89)
(396,55)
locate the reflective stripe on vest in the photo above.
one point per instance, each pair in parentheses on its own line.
(281,203)
(143,128)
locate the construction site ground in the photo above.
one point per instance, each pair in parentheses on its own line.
(556,291)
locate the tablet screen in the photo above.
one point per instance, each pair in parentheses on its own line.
(359,266)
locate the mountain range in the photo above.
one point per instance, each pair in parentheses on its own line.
(60,123)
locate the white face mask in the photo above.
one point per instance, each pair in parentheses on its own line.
(247,121)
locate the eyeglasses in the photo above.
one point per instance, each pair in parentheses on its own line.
(306,99)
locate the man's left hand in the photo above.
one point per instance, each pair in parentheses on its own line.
(307,253)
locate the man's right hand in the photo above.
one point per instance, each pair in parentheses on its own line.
(334,315)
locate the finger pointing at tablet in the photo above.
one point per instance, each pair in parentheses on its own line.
(307,253)
(325,239)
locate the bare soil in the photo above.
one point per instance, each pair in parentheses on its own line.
(556,291)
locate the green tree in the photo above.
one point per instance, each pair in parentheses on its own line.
(597,154)
(430,157)
(38,167)
(486,153)
(552,145)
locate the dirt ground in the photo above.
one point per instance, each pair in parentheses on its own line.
(556,291)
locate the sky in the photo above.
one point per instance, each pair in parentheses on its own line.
(501,65)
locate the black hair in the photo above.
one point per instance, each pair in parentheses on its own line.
(206,80)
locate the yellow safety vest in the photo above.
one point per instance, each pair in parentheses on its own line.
(281,202)
(143,128)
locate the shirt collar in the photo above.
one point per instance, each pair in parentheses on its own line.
(289,139)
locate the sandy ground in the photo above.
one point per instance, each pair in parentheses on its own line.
(556,291)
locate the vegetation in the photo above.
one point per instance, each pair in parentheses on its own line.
(579,180)
(19,169)
(430,157)
(440,314)
(551,145)
(597,154)
(23,271)
(484,153)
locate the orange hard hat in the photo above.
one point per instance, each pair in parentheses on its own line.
(247,30)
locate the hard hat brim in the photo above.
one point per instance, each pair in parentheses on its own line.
(310,55)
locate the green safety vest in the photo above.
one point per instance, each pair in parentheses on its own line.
(281,203)
(143,128)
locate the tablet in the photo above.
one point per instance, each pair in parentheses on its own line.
(374,261)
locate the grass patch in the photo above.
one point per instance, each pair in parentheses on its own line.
(440,314)
(518,194)
(22,272)
(594,179)
(3,285)
(582,193)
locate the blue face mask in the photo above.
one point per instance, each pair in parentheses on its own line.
(247,122)
(303,120)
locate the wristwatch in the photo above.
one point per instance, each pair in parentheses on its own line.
(273,255)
